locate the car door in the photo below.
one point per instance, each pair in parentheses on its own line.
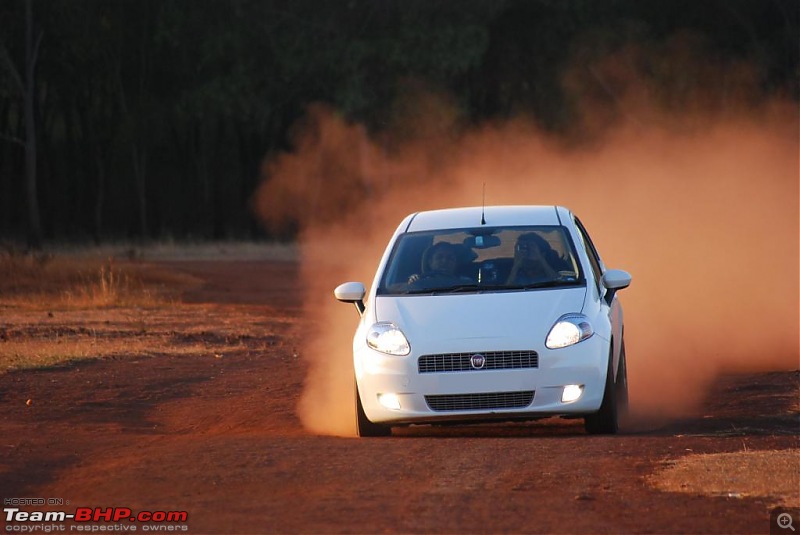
(613,309)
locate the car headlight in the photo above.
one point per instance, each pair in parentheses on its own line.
(386,337)
(569,330)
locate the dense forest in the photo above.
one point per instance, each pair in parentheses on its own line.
(150,119)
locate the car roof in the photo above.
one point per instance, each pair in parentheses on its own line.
(494,216)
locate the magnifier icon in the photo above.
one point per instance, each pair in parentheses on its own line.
(785,521)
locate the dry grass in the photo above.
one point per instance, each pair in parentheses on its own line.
(46,281)
(25,354)
(31,338)
(773,475)
(79,304)
(59,350)
(64,308)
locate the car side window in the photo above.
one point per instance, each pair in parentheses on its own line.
(591,252)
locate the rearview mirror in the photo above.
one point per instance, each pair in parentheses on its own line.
(482,241)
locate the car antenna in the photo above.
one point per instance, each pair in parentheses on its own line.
(483,205)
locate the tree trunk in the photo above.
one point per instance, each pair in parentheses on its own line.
(100,196)
(140,172)
(31,51)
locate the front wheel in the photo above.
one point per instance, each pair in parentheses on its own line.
(365,428)
(622,385)
(606,420)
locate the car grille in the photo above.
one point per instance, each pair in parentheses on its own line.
(460,362)
(484,401)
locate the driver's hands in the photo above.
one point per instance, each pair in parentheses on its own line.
(413,278)
(531,255)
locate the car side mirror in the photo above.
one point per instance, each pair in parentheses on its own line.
(352,292)
(615,280)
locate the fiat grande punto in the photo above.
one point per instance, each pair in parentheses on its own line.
(497,313)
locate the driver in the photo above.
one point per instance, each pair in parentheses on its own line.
(440,262)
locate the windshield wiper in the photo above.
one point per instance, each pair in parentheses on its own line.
(472,287)
(416,291)
(445,289)
(464,288)
(543,284)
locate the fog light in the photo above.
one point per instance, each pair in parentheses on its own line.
(571,393)
(390,401)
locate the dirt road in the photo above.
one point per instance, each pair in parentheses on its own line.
(217,436)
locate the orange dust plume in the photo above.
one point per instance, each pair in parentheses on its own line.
(702,210)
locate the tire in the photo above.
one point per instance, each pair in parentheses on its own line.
(365,428)
(606,420)
(622,385)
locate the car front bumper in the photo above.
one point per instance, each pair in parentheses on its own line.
(478,395)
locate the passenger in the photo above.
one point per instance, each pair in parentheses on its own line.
(532,261)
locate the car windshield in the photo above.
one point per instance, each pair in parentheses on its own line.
(480,260)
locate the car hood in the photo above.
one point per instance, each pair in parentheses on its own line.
(468,322)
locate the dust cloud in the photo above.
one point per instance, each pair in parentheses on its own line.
(702,210)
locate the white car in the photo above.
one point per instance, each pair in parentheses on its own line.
(489,313)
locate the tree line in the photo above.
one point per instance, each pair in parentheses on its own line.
(148,119)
